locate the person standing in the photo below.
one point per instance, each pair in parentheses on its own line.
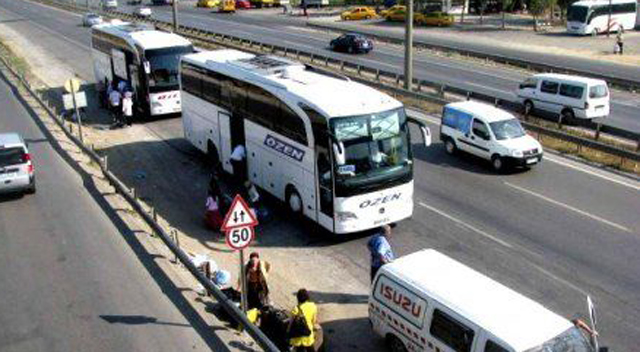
(619,42)
(380,249)
(237,158)
(127,108)
(256,273)
(309,311)
(115,105)
(213,217)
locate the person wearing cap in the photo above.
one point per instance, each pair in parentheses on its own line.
(309,310)
(256,273)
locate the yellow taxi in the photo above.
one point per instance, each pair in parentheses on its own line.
(208,3)
(433,19)
(227,6)
(358,13)
(393,8)
(397,15)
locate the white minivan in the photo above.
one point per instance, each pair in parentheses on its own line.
(571,96)
(426,301)
(488,132)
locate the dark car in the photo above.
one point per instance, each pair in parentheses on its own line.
(352,43)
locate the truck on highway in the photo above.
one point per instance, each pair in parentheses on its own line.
(147,59)
(335,151)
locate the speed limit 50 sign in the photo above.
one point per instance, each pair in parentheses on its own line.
(240,237)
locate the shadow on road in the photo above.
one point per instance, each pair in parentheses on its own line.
(137,320)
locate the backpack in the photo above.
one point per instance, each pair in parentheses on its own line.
(299,327)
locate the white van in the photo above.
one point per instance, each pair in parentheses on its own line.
(488,132)
(571,96)
(427,301)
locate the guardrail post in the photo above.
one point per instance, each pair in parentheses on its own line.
(598,126)
(326,61)
(397,79)
(285,52)
(297,54)
(312,56)
(341,65)
(468,95)
(359,68)
(496,102)
(419,87)
(442,89)
(176,240)
(559,121)
(154,214)
(378,75)
(638,146)
(133,193)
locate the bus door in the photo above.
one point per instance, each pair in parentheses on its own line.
(224,145)
(325,188)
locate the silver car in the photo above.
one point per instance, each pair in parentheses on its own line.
(91,19)
(16,167)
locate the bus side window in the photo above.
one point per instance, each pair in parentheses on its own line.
(494,347)
(291,125)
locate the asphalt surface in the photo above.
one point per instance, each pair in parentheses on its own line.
(492,80)
(72,278)
(555,233)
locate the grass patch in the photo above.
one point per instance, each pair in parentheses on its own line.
(17,63)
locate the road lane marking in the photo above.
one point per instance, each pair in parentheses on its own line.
(559,161)
(556,277)
(466,225)
(566,206)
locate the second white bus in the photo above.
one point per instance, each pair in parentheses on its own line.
(592,17)
(334,150)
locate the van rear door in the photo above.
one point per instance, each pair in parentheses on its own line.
(598,101)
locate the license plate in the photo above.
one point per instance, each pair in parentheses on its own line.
(532,160)
(365,45)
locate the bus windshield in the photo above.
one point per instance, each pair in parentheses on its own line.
(577,14)
(376,151)
(571,340)
(164,66)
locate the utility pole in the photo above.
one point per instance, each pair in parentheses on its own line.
(408,46)
(175,15)
(609,21)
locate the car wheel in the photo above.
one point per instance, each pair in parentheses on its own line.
(497,163)
(450,146)
(294,201)
(395,344)
(32,188)
(528,107)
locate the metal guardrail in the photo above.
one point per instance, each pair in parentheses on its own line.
(129,194)
(529,65)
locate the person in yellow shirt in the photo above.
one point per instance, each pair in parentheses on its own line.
(310,312)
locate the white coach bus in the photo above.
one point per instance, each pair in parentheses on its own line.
(592,16)
(334,150)
(146,58)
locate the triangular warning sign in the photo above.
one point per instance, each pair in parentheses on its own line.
(239,214)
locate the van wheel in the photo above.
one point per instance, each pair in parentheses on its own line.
(395,344)
(528,107)
(294,201)
(32,188)
(594,32)
(497,163)
(568,116)
(450,146)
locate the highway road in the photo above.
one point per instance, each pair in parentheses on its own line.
(72,277)
(555,233)
(280,30)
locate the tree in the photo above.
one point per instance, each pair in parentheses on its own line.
(505,4)
(537,8)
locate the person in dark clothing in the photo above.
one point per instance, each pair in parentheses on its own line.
(256,272)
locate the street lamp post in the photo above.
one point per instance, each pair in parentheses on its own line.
(408,46)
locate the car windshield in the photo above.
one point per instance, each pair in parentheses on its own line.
(571,340)
(164,66)
(577,14)
(507,129)
(599,91)
(376,150)
(11,156)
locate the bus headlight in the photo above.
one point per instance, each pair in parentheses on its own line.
(346,216)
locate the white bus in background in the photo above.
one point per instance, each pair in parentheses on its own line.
(146,58)
(592,17)
(337,151)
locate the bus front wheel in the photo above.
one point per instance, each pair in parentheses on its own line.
(294,201)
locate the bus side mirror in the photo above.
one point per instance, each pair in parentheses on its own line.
(338,152)
(426,132)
